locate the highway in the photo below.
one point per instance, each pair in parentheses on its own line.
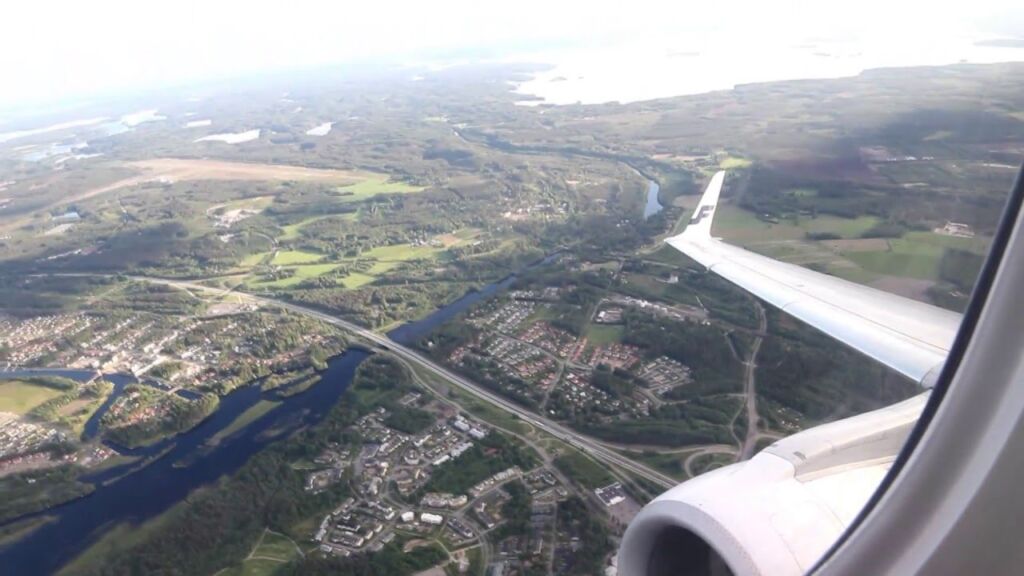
(579,441)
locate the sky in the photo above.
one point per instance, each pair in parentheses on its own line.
(60,50)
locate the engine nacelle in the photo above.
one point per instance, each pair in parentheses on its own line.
(776,514)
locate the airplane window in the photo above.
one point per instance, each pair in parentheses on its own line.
(517,290)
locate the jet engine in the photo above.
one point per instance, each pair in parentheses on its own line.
(775,514)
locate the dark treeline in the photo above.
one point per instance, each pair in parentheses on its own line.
(487,457)
(576,519)
(181,415)
(820,379)
(703,348)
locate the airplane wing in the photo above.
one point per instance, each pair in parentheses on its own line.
(778,512)
(910,337)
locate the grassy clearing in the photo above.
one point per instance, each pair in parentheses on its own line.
(731,162)
(707,462)
(255,259)
(671,464)
(19,397)
(373,186)
(382,267)
(293,231)
(742,227)
(906,260)
(599,334)
(650,287)
(582,469)
(402,252)
(276,546)
(259,203)
(916,255)
(288,257)
(357,280)
(253,567)
(851,272)
(252,414)
(301,273)
(459,237)
(483,410)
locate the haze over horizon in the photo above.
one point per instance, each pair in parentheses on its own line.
(59,52)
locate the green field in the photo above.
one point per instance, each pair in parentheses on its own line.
(707,462)
(582,469)
(401,252)
(382,259)
(373,186)
(19,397)
(850,272)
(301,273)
(598,334)
(479,408)
(291,231)
(671,464)
(742,227)
(253,567)
(731,162)
(275,546)
(916,255)
(255,259)
(357,280)
(382,266)
(288,257)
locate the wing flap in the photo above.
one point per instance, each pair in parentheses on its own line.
(910,337)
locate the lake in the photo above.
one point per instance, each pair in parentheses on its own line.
(653,206)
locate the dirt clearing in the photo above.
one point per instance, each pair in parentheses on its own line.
(910,287)
(177,169)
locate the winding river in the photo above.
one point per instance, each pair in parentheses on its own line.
(179,465)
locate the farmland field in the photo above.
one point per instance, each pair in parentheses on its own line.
(293,231)
(401,252)
(599,334)
(301,273)
(916,255)
(373,186)
(357,280)
(743,227)
(288,257)
(19,397)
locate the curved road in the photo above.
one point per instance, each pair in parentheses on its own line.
(750,390)
(583,443)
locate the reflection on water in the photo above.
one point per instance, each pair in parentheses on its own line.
(653,206)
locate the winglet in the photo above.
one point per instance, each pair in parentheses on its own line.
(704,213)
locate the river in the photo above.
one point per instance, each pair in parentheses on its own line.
(130,493)
(653,206)
(144,493)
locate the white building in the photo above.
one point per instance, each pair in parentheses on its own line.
(432,519)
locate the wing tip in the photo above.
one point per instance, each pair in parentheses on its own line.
(699,225)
